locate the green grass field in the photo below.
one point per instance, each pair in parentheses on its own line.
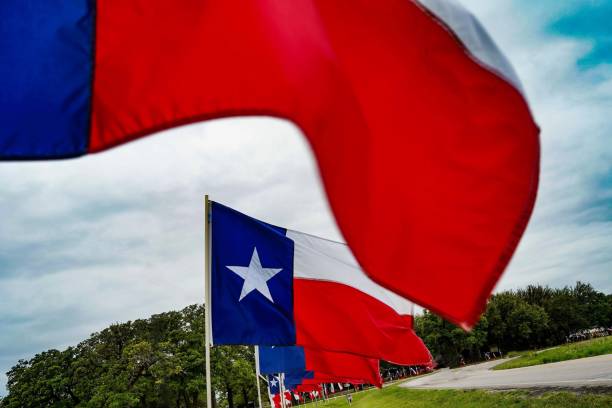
(397,397)
(589,348)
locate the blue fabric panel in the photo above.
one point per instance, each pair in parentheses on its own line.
(294,379)
(274,384)
(46,62)
(290,359)
(290,381)
(253,318)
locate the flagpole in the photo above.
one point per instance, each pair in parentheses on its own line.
(281,389)
(208,325)
(257,374)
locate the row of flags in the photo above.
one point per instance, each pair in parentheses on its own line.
(282,391)
(306,303)
(319,365)
(287,376)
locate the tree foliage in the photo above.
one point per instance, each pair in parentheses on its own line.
(449,343)
(534,317)
(157,362)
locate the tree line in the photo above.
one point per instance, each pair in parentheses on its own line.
(534,317)
(159,361)
(153,363)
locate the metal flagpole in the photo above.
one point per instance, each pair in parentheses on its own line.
(257,374)
(207,300)
(281,389)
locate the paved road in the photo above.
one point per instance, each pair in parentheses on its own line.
(584,372)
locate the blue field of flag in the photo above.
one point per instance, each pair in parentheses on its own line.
(251,281)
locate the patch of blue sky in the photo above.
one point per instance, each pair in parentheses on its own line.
(589,21)
(602,201)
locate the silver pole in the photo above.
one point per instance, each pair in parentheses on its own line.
(208,325)
(257,374)
(281,389)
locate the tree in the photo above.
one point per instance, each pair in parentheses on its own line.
(566,315)
(159,361)
(234,374)
(515,324)
(527,326)
(534,317)
(156,362)
(45,380)
(449,343)
(594,305)
(536,294)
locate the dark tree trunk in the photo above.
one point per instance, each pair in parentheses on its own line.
(186,399)
(230,397)
(245,396)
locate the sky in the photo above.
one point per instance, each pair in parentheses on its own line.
(118,235)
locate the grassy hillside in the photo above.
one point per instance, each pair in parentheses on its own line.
(572,351)
(397,397)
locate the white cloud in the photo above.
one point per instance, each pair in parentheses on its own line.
(119,235)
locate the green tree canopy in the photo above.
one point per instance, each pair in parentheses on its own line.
(159,361)
(534,317)
(155,362)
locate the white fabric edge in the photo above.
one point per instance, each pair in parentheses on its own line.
(320,259)
(475,38)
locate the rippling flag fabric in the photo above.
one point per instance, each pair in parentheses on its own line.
(325,366)
(424,140)
(272,286)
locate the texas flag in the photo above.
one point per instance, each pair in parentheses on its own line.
(273,286)
(319,366)
(420,127)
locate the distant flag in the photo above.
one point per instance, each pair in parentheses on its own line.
(324,378)
(325,366)
(277,390)
(272,286)
(287,359)
(274,383)
(292,380)
(420,127)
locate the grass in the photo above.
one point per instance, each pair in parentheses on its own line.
(397,397)
(572,351)
(516,353)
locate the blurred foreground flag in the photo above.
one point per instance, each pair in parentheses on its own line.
(325,366)
(272,286)
(423,136)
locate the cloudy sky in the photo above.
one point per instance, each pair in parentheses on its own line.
(118,235)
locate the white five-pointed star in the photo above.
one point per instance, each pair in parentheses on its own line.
(255,277)
(273,381)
